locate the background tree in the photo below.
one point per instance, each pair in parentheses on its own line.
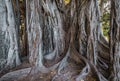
(65,42)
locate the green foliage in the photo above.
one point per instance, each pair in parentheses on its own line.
(105,19)
(106,24)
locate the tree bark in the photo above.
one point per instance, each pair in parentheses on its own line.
(8,39)
(92,44)
(46,33)
(115,40)
(55,29)
(65,41)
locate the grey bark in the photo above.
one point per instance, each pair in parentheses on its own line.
(56,31)
(8,40)
(91,42)
(65,41)
(115,40)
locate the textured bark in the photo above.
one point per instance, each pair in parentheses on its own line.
(46,33)
(15,75)
(58,33)
(91,42)
(115,40)
(101,7)
(65,42)
(8,40)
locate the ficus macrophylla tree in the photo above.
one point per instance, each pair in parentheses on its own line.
(65,42)
(60,31)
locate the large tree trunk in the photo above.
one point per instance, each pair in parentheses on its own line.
(8,40)
(115,40)
(65,41)
(56,31)
(47,33)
